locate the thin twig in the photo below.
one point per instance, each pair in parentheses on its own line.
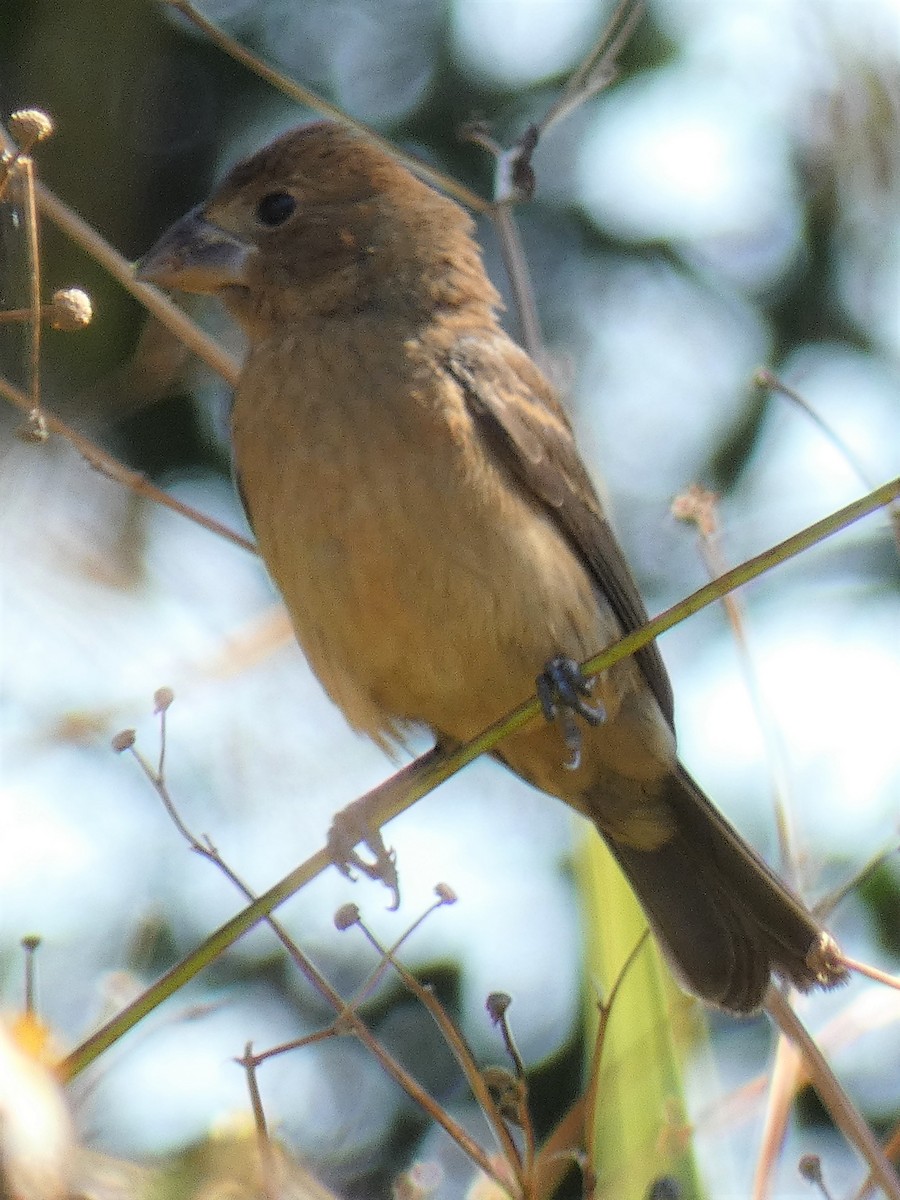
(348,1019)
(514,178)
(824,907)
(892,1150)
(35,325)
(520,281)
(598,69)
(869,1011)
(338,1028)
(785,1079)
(498,1007)
(304,96)
(768,379)
(464,1056)
(269,1170)
(701,507)
(386,960)
(861,968)
(843,1112)
(116,471)
(604,1013)
(561,1149)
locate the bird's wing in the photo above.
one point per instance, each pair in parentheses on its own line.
(521,421)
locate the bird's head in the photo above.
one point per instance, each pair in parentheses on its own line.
(320,223)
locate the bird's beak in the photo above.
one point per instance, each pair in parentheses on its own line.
(194,255)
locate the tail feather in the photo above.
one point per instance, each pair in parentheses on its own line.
(724,920)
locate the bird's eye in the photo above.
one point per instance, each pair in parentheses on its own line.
(275,208)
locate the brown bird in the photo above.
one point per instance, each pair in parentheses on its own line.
(418,498)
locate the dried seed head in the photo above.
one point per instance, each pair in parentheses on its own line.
(445,893)
(810,1168)
(34,429)
(124,740)
(507,1091)
(497,1004)
(70,310)
(699,506)
(29,126)
(162,699)
(346,916)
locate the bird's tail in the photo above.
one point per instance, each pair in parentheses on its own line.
(723,919)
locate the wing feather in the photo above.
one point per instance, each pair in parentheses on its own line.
(522,422)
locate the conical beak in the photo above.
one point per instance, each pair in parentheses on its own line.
(194,255)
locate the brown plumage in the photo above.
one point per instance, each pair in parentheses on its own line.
(417,495)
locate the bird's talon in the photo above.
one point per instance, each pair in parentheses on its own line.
(594,714)
(546,694)
(561,690)
(349,829)
(572,738)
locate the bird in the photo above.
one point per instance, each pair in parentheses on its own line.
(417,496)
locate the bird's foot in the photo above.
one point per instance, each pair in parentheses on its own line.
(350,828)
(562,691)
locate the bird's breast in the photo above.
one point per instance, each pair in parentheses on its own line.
(422,584)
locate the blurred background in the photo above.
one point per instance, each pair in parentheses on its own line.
(733,200)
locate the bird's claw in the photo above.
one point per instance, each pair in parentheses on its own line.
(562,692)
(351,828)
(561,685)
